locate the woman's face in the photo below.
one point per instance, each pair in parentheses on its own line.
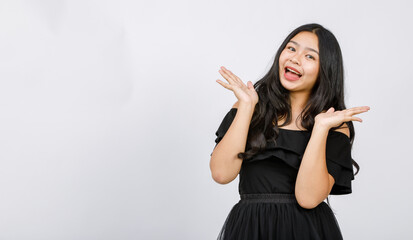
(299,62)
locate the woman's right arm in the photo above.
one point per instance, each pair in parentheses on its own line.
(224,163)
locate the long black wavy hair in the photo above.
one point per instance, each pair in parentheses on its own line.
(274,102)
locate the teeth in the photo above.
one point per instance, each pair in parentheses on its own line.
(289,69)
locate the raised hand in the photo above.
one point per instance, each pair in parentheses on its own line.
(244,93)
(331,118)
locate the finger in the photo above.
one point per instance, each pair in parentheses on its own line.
(250,85)
(227,76)
(225,85)
(354,112)
(360,108)
(232,74)
(234,77)
(356,119)
(351,118)
(357,110)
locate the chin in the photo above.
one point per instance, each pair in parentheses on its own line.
(289,85)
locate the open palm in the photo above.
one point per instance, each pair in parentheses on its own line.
(332,118)
(244,93)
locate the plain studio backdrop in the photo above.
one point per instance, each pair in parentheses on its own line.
(108,112)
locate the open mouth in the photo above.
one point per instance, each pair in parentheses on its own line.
(291,74)
(292,71)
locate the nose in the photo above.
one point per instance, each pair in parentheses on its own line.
(293,59)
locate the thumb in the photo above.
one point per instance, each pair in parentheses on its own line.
(330,110)
(249,84)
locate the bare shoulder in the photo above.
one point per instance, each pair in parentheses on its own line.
(235,105)
(344,129)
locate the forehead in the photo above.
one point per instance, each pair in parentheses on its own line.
(306,40)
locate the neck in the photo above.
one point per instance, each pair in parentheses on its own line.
(298,101)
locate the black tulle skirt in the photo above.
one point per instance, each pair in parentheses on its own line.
(279,217)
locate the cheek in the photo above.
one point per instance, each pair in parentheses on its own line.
(313,70)
(283,56)
(282,60)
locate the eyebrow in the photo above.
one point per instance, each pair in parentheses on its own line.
(311,49)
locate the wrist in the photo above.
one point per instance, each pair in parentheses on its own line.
(246,108)
(321,127)
(246,105)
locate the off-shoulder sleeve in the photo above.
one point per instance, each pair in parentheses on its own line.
(339,162)
(224,126)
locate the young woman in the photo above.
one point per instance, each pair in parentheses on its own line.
(289,137)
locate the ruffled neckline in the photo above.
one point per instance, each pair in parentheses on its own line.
(290,145)
(303,131)
(307,131)
(294,130)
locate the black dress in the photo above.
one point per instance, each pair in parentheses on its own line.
(268,208)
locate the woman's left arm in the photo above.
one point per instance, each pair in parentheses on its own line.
(314,183)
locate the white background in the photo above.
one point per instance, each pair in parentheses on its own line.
(108,111)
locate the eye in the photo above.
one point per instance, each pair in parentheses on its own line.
(291,48)
(310,56)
